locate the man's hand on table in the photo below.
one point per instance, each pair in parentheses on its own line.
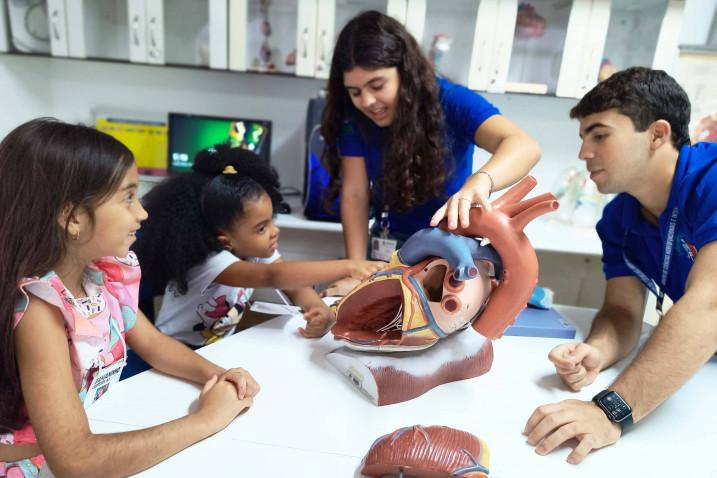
(577,364)
(552,425)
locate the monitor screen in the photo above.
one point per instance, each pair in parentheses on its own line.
(189,134)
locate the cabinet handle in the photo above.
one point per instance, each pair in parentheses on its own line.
(153,50)
(305,39)
(323,47)
(135,30)
(55,20)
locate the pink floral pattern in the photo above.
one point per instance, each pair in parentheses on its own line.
(112,285)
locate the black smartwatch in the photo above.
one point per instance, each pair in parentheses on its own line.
(615,407)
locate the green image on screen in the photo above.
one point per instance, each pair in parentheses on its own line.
(189,134)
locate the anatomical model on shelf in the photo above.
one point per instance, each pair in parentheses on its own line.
(429,318)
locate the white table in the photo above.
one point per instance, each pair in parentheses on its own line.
(308,421)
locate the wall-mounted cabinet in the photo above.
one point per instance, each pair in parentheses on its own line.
(701,16)
(178,32)
(293,36)
(558,47)
(448,36)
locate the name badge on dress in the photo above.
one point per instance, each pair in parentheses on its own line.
(104,378)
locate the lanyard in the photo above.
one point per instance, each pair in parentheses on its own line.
(384,223)
(666,260)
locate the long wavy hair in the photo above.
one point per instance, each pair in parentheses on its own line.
(45,166)
(188,211)
(413,166)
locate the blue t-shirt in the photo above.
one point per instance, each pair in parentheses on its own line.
(464,111)
(626,234)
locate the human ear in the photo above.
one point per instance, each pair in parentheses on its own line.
(69,221)
(225,241)
(661,133)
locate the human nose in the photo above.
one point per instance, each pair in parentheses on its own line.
(275,231)
(585,152)
(142,213)
(367,99)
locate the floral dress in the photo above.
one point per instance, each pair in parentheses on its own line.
(96,327)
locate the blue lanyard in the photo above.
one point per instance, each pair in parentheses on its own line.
(666,260)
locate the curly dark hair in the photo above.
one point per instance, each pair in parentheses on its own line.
(45,166)
(188,211)
(413,167)
(643,95)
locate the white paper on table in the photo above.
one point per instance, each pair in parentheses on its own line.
(275,309)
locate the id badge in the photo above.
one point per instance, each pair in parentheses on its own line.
(104,378)
(382,248)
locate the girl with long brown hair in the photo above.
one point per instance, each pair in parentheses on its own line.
(400,140)
(68,311)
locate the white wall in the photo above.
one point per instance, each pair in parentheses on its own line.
(72,89)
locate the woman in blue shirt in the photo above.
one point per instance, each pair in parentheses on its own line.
(401,140)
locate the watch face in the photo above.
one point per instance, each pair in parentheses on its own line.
(615,406)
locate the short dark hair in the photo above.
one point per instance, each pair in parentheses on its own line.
(644,95)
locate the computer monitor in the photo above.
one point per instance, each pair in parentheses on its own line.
(190,133)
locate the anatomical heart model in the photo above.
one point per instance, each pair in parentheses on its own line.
(399,325)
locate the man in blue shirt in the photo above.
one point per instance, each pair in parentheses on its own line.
(658,234)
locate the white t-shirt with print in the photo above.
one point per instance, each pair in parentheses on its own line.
(208,311)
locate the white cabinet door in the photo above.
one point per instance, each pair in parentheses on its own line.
(584,44)
(29,26)
(454,39)
(154,10)
(596,38)
(238,19)
(218,34)
(146,31)
(332,16)
(306,38)
(137,18)
(416,18)
(189,33)
(633,33)
(4,28)
(397,9)
(75,17)
(699,25)
(492,45)
(104,28)
(666,50)
(269,35)
(57,17)
(325,27)
(540,31)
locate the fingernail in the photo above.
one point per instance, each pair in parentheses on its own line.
(540,450)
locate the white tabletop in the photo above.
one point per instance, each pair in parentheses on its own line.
(308,421)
